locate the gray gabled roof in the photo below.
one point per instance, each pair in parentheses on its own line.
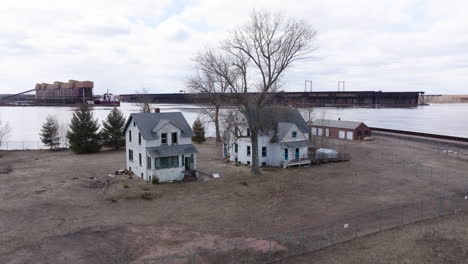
(146,122)
(336,123)
(172,150)
(272,116)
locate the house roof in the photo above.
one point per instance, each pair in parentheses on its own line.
(146,122)
(297,144)
(336,123)
(171,150)
(271,117)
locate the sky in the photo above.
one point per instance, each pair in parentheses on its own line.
(127,45)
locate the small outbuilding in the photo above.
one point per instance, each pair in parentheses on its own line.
(339,129)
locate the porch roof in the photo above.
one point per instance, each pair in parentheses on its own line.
(297,144)
(171,150)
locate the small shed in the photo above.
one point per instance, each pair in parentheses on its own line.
(339,129)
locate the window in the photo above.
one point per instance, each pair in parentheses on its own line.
(248,151)
(139,159)
(327,132)
(129,136)
(294,134)
(130,168)
(314,131)
(174,138)
(320,131)
(139,139)
(248,132)
(130,155)
(134,124)
(163,138)
(148,162)
(236,148)
(167,162)
(264,151)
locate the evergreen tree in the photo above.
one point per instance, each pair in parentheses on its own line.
(199,131)
(113,129)
(49,132)
(83,135)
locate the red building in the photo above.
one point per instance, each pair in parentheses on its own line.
(338,129)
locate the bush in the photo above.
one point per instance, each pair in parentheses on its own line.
(199,131)
(125,186)
(146,196)
(155,180)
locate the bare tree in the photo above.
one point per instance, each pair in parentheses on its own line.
(4,131)
(214,88)
(144,102)
(254,59)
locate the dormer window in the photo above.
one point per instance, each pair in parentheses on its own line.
(294,134)
(174,138)
(163,138)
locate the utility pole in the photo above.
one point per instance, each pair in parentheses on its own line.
(305,85)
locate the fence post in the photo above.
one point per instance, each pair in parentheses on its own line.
(440,206)
(421,214)
(380,220)
(194,260)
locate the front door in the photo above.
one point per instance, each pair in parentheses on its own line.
(286,154)
(187,162)
(297,153)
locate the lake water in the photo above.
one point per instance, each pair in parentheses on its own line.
(448,119)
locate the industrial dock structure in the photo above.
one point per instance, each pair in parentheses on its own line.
(299,99)
(57,93)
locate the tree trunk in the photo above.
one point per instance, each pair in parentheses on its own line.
(254,139)
(216,121)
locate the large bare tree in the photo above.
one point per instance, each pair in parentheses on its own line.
(254,59)
(214,88)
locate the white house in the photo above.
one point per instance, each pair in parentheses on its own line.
(159,145)
(284,141)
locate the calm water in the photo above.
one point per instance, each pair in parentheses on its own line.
(449,119)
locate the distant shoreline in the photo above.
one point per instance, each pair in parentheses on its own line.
(446,98)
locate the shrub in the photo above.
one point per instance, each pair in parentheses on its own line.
(125,186)
(146,196)
(199,131)
(155,180)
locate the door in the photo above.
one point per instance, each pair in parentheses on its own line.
(286,154)
(349,135)
(297,153)
(187,162)
(341,134)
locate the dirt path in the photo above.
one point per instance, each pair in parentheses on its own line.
(45,210)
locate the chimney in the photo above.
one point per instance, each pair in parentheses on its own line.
(157,110)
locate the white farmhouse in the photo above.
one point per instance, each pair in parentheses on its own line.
(284,141)
(159,145)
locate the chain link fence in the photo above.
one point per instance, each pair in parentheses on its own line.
(281,246)
(29,145)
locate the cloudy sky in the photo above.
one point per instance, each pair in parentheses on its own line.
(126,45)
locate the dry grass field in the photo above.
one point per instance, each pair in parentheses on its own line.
(49,215)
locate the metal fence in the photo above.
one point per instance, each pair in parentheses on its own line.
(281,246)
(28,145)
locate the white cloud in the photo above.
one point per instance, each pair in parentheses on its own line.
(125,45)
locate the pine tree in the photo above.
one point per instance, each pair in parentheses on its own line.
(83,135)
(49,133)
(199,131)
(113,129)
